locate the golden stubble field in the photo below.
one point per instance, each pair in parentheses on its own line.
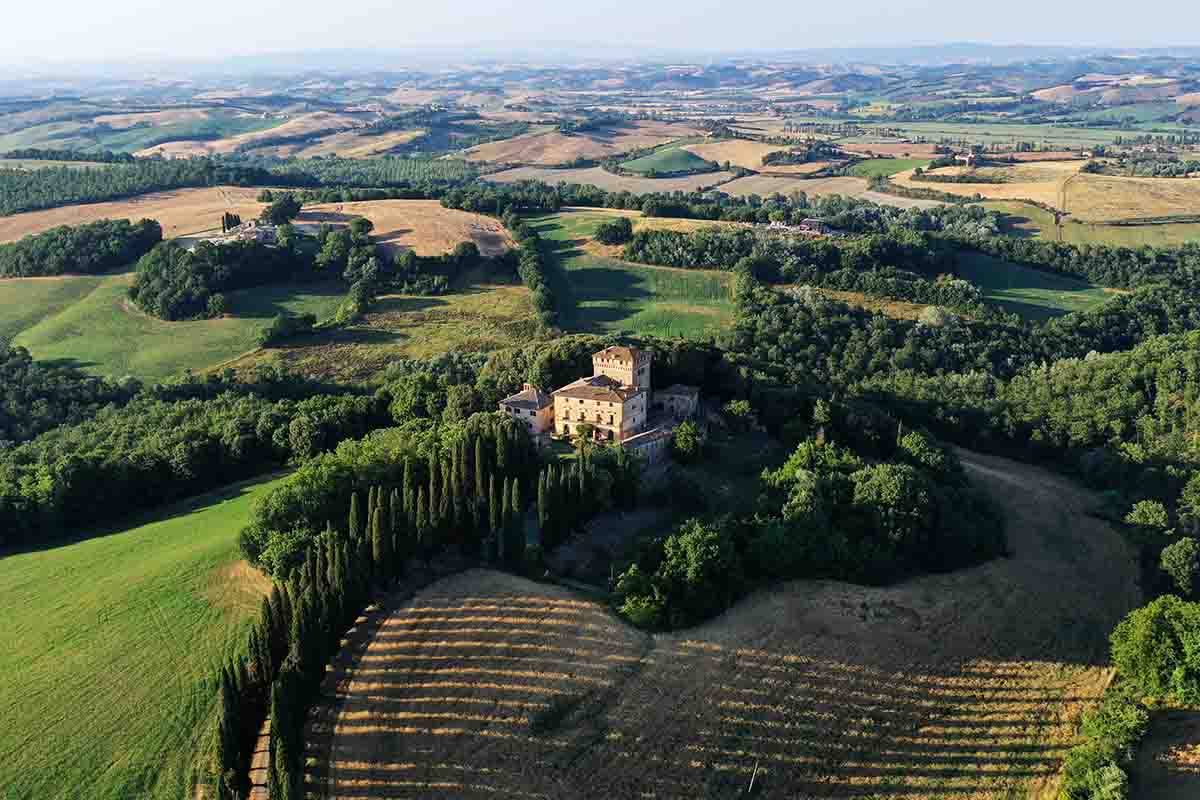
(967,685)
(182,212)
(597,176)
(423,226)
(552,147)
(1086,197)
(301,124)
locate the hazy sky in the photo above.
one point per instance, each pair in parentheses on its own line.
(125,30)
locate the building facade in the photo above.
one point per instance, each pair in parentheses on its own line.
(615,403)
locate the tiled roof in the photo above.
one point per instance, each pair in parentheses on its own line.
(598,387)
(529,397)
(620,353)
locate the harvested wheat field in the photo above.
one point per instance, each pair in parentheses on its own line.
(1087,197)
(894,149)
(553,147)
(966,685)
(766,185)
(596,176)
(423,226)
(350,144)
(182,212)
(302,124)
(739,152)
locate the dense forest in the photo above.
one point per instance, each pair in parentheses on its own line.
(83,249)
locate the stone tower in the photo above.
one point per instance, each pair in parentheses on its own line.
(626,365)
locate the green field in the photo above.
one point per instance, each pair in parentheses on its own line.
(1023,219)
(218,124)
(886,166)
(668,159)
(599,294)
(104,646)
(993,132)
(89,322)
(1031,293)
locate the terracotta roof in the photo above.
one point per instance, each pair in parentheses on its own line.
(621,353)
(529,397)
(598,387)
(679,390)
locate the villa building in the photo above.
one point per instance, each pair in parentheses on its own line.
(615,403)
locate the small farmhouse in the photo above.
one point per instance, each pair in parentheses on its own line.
(615,404)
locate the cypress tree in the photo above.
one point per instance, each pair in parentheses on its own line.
(480,485)
(434,503)
(516,546)
(543,510)
(445,522)
(501,449)
(381,545)
(493,506)
(410,490)
(422,526)
(355,517)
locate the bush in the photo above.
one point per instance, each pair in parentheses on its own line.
(687,443)
(1157,649)
(617,231)
(1181,561)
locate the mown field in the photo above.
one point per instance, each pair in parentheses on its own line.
(1023,219)
(90,323)
(136,132)
(886,166)
(104,646)
(603,294)
(596,176)
(1031,293)
(967,685)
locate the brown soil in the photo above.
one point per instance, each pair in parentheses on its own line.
(967,685)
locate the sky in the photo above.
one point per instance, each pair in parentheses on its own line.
(115,31)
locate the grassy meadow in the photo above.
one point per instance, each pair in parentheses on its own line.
(668,159)
(886,166)
(603,294)
(1030,293)
(90,323)
(106,642)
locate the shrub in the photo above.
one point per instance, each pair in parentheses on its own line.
(617,231)
(687,444)
(1181,560)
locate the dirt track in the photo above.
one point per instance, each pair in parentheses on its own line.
(966,685)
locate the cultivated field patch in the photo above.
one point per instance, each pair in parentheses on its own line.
(547,148)
(766,185)
(967,685)
(600,293)
(420,225)
(299,125)
(596,176)
(1023,219)
(105,334)
(104,646)
(182,212)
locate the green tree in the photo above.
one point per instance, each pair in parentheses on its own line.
(1181,561)
(355,518)
(686,444)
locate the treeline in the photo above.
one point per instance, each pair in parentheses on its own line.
(531,268)
(173,283)
(901,263)
(1103,265)
(167,445)
(885,505)
(31,190)
(37,396)
(85,249)
(94,156)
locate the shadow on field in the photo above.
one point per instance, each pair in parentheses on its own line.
(175,508)
(960,685)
